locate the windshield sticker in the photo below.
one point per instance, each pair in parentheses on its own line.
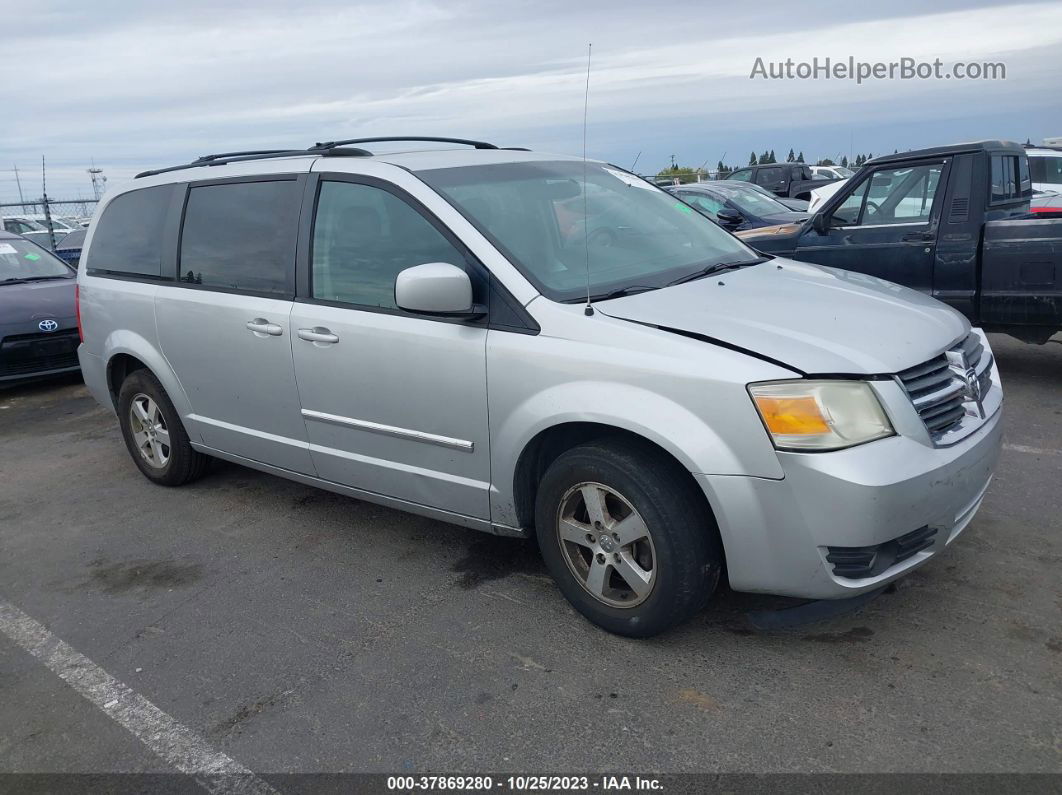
(630,179)
(683,207)
(33,257)
(7,248)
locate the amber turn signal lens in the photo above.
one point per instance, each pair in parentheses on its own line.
(792,415)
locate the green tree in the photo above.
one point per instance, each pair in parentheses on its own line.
(800,158)
(825,162)
(752,159)
(844,161)
(773,159)
(683,173)
(791,157)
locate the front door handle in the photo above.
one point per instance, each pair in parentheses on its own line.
(918,237)
(318,334)
(262,326)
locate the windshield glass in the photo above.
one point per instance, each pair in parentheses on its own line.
(754,202)
(20,259)
(844,172)
(635,233)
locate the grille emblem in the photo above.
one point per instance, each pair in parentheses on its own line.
(964,371)
(48,325)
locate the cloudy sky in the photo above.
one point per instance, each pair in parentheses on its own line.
(136,85)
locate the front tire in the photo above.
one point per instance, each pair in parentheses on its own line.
(153,433)
(629,541)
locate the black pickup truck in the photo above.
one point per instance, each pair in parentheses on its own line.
(791,180)
(952,222)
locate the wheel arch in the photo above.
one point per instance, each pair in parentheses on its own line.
(552,442)
(126,352)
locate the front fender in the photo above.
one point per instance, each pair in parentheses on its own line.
(695,444)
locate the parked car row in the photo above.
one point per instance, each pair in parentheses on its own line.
(791,180)
(952,222)
(35,228)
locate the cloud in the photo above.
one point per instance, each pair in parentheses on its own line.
(133,86)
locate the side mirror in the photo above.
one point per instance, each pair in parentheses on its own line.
(728,217)
(820,223)
(436,288)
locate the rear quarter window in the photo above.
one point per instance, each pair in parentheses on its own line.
(128,236)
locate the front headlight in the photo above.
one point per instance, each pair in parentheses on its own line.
(820,415)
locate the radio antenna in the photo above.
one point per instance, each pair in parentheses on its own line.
(586,214)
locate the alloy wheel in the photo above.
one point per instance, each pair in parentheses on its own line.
(606,544)
(150,434)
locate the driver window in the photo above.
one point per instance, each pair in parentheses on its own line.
(362,237)
(847,214)
(901,195)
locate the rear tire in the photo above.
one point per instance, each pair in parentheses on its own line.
(629,541)
(153,432)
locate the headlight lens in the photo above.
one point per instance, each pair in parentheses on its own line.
(820,415)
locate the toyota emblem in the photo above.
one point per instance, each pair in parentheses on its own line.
(48,325)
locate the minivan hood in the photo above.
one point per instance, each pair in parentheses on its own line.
(816,320)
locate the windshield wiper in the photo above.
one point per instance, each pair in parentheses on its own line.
(43,278)
(631,289)
(716,267)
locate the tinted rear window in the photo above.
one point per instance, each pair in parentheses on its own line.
(241,236)
(75,239)
(128,236)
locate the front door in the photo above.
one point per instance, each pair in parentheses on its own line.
(886,226)
(394,403)
(224,327)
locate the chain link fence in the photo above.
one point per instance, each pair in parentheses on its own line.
(47,221)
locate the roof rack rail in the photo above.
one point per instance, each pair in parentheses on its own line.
(329,148)
(208,158)
(258,154)
(427,138)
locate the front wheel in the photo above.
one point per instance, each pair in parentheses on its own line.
(629,541)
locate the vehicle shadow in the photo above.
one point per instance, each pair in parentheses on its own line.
(39,386)
(1024,362)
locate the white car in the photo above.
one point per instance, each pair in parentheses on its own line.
(1045,167)
(831,172)
(820,195)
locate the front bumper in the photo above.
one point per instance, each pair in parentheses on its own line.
(776,532)
(28,353)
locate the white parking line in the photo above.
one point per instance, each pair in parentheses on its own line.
(1021,448)
(175,743)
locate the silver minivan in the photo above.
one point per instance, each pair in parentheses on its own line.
(533,345)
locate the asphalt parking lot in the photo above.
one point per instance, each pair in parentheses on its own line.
(295,630)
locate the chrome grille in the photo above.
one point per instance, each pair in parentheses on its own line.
(939,388)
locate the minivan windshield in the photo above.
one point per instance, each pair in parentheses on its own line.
(22,261)
(633,234)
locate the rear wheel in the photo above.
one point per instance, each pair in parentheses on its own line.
(153,432)
(627,538)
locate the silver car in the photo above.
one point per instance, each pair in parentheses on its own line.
(531,345)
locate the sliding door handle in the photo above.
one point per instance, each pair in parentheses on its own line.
(318,334)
